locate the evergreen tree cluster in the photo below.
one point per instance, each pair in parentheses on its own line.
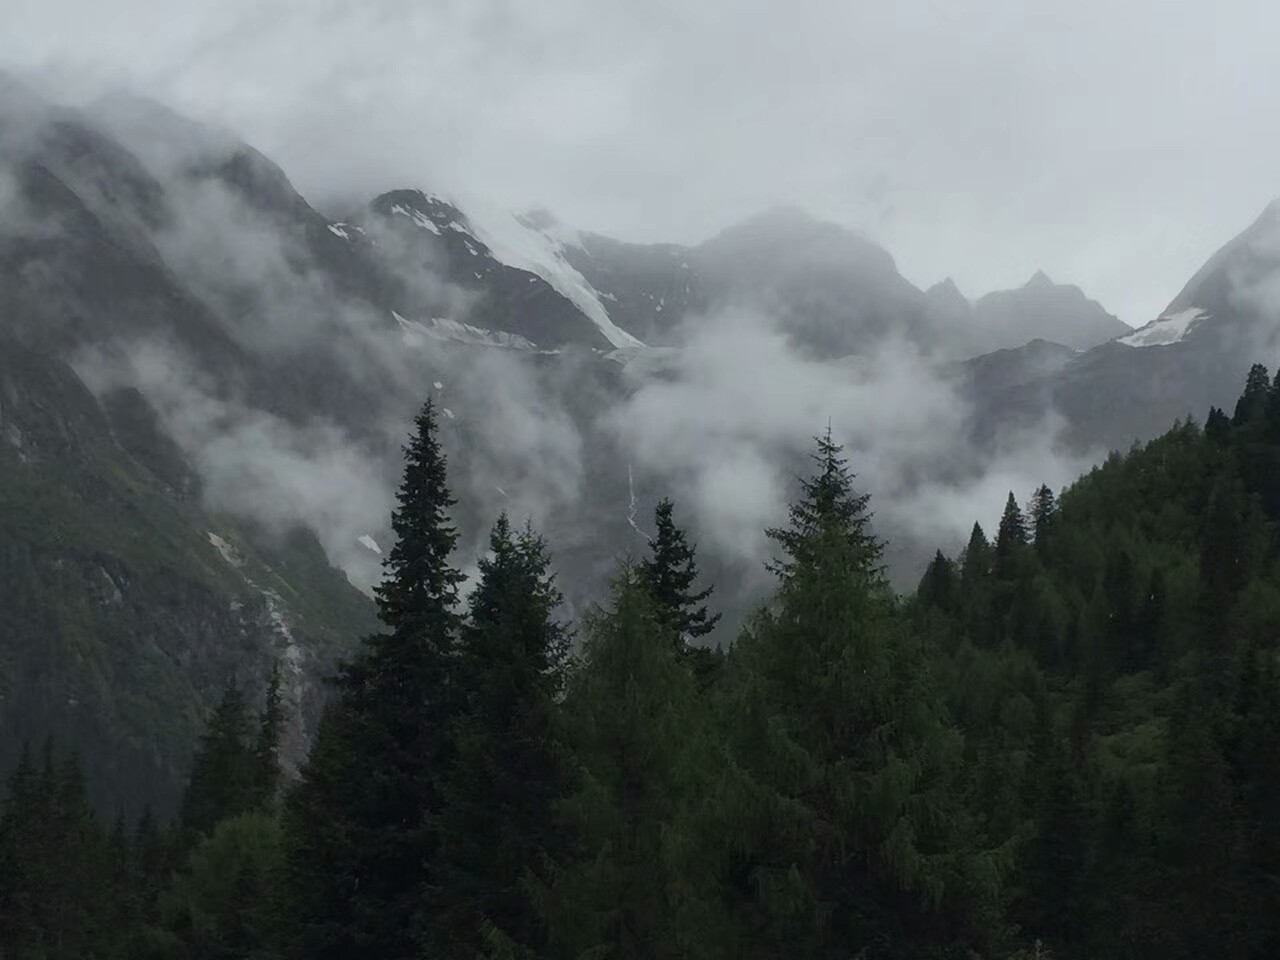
(207,886)
(1066,743)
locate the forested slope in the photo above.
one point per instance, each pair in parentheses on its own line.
(1066,743)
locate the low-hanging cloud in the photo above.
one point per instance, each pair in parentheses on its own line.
(527,449)
(730,419)
(723,423)
(256,465)
(518,450)
(10,200)
(1254,277)
(968,137)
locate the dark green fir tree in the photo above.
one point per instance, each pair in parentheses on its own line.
(361,840)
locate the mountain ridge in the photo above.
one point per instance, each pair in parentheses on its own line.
(215,357)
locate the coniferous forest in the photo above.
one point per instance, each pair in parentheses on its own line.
(1066,744)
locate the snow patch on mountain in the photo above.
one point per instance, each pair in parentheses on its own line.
(644,362)
(442,328)
(540,250)
(418,217)
(277,612)
(229,553)
(1166,330)
(530,243)
(369,543)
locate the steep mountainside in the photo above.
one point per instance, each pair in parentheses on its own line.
(1193,356)
(205,382)
(125,603)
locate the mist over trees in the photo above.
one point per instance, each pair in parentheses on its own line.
(1065,743)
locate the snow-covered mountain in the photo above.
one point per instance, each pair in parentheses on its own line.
(831,290)
(523,283)
(1166,329)
(1193,355)
(205,381)
(1234,296)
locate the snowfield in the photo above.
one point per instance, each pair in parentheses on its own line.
(442,328)
(541,252)
(1165,330)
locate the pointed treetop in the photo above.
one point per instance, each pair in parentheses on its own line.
(422,586)
(938,585)
(829,511)
(1044,507)
(511,664)
(1253,402)
(516,592)
(1013,528)
(670,572)
(977,556)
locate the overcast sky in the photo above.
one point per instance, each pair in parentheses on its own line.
(1115,143)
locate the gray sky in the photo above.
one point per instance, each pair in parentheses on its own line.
(1115,143)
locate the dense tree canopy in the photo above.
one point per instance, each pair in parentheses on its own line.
(1066,743)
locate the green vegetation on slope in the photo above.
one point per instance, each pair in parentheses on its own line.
(120,620)
(1065,744)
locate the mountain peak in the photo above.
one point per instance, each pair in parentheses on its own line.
(1042,309)
(1236,274)
(782,220)
(802,238)
(946,295)
(946,287)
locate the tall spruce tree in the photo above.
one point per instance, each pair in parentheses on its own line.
(631,892)
(939,587)
(1252,405)
(975,565)
(1044,507)
(670,572)
(223,781)
(977,586)
(842,709)
(361,841)
(829,516)
(1217,427)
(501,824)
(1011,540)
